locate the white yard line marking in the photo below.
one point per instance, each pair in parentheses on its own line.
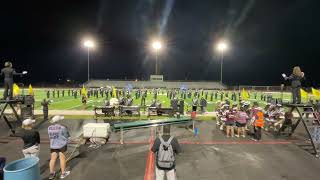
(89,102)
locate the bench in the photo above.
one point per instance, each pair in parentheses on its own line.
(106,111)
(159,111)
(129,110)
(150,123)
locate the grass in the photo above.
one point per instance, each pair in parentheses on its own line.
(70,103)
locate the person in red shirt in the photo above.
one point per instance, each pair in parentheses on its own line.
(230,122)
(241,122)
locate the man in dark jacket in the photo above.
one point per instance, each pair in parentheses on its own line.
(170,172)
(45,107)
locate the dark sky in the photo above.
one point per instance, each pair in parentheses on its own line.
(267,38)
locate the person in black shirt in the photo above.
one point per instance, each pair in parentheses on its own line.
(295,78)
(31,139)
(45,108)
(170,173)
(8,73)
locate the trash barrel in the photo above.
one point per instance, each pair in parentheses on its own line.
(26,169)
(193,114)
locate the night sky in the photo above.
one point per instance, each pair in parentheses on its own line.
(267,38)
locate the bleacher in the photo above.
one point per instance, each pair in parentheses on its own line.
(155,84)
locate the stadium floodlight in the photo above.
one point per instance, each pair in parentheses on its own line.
(221,47)
(89,44)
(156,46)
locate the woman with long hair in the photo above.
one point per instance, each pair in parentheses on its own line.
(295,78)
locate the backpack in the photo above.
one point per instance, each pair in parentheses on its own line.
(165,154)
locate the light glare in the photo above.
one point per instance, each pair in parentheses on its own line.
(156,45)
(88,44)
(222,46)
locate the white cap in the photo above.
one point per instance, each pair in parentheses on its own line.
(57,118)
(28,122)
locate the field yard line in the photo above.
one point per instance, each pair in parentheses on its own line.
(89,102)
(56,102)
(235,142)
(149,172)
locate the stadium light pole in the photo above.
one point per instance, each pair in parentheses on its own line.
(88,44)
(221,48)
(156,45)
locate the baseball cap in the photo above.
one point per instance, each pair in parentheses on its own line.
(28,121)
(56,119)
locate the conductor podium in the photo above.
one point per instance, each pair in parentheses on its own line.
(26,104)
(311,123)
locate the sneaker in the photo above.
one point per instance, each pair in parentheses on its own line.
(65,174)
(237,135)
(52,175)
(253,139)
(244,136)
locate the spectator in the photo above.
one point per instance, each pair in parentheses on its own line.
(31,139)
(58,135)
(166,147)
(241,122)
(230,121)
(287,123)
(258,124)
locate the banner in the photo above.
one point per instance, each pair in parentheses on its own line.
(316,93)
(30,91)
(304,94)
(16,90)
(244,94)
(83,91)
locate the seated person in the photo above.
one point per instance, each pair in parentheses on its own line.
(153,103)
(129,102)
(287,123)
(122,101)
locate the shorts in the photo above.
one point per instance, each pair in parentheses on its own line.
(62,150)
(229,123)
(241,124)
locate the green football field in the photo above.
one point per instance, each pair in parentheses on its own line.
(70,103)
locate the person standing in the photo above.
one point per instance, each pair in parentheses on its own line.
(8,73)
(295,78)
(258,124)
(166,147)
(48,94)
(59,137)
(45,108)
(230,122)
(241,122)
(31,139)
